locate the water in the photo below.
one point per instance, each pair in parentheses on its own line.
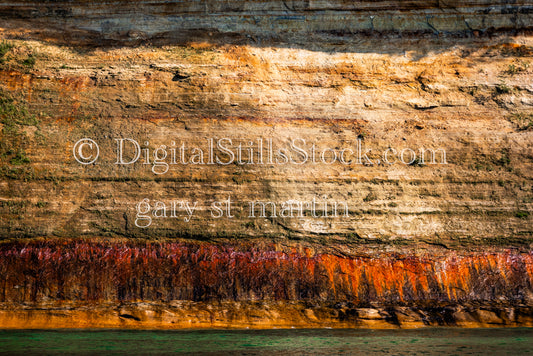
(430,341)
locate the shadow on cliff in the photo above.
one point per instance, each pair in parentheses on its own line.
(417,43)
(386,27)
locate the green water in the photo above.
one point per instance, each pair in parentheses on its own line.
(431,341)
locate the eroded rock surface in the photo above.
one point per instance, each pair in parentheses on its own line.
(420,244)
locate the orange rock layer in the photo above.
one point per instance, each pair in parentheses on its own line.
(70,270)
(133,284)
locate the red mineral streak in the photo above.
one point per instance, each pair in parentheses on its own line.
(133,271)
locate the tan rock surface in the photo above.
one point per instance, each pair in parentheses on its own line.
(390,75)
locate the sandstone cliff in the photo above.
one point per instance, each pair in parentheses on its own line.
(421,244)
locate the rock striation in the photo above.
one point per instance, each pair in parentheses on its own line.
(181,21)
(420,242)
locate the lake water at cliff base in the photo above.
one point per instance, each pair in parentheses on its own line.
(430,341)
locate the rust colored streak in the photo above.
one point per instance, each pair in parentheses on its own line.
(132,271)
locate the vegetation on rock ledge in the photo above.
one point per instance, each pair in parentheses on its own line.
(13,118)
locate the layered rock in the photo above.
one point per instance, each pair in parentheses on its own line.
(179,21)
(130,284)
(417,240)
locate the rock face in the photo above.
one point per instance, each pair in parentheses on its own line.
(177,284)
(345,91)
(180,21)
